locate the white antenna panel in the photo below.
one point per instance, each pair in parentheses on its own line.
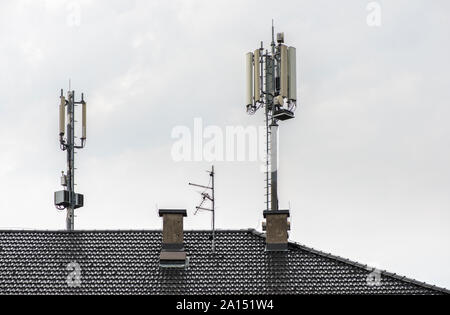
(83,128)
(257,77)
(284,71)
(62,116)
(292,73)
(249,78)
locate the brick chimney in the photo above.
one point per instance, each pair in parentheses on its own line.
(276,227)
(172,251)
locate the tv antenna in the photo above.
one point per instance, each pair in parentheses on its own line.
(272,85)
(206,197)
(67,198)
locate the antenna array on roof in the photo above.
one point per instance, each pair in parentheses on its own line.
(272,84)
(211,198)
(67,198)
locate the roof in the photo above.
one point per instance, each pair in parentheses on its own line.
(127,262)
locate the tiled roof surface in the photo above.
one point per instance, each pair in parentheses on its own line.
(127,262)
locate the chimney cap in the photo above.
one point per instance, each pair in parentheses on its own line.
(172,211)
(277,212)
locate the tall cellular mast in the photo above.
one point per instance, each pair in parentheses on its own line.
(67,198)
(272,85)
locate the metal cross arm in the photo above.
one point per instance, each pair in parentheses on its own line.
(206,209)
(206,187)
(206,195)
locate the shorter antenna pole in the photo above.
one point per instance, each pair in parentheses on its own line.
(206,196)
(273,38)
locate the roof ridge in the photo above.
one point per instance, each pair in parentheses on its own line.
(360,265)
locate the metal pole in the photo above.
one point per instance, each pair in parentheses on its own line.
(270,91)
(273,39)
(267,155)
(213,213)
(70,160)
(274,166)
(213,204)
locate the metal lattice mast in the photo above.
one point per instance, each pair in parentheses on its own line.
(67,198)
(71,161)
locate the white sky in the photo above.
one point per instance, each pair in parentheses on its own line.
(364,165)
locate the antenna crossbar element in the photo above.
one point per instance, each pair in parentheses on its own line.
(205,209)
(205,195)
(206,187)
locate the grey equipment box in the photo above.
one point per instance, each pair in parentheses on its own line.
(62,199)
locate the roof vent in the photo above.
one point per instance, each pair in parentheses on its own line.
(276,227)
(172,251)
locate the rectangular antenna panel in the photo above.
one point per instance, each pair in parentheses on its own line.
(284,71)
(79,201)
(292,73)
(83,131)
(257,76)
(270,76)
(62,116)
(249,78)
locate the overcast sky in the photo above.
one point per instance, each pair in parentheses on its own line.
(364,166)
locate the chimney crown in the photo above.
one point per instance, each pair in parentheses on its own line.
(162,212)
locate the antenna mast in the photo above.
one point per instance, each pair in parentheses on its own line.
(272,85)
(211,198)
(67,198)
